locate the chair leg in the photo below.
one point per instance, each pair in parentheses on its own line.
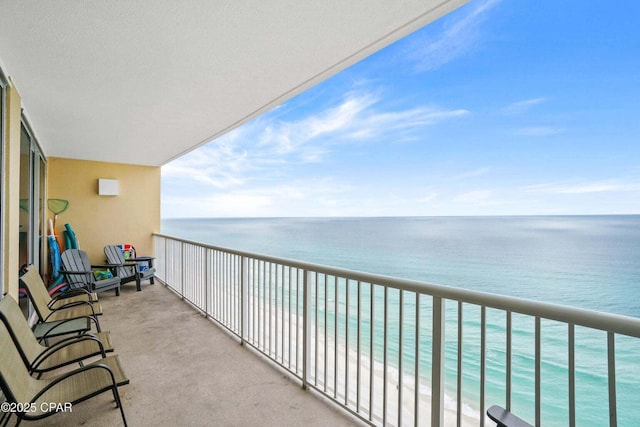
(116,396)
(138,284)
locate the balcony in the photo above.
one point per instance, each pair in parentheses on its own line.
(337,334)
(185,371)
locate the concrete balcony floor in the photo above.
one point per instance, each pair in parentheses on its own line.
(184,370)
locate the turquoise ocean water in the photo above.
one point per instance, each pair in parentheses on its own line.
(590,262)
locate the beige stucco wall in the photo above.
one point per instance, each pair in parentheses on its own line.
(130,217)
(11,196)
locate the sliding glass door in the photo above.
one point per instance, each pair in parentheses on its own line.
(32,203)
(3,109)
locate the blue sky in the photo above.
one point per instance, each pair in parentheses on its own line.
(499,108)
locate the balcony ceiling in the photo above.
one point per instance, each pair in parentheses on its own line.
(144,82)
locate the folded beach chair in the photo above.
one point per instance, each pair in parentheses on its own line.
(33,283)
(39,358)
(80,273)
(62,300)
(130,267)
(35,398)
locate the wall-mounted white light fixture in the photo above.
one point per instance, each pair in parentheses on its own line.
(108,187)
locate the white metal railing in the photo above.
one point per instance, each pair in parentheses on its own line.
(401,352)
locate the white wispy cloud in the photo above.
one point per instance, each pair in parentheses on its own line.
(261,149)
(456,39)
(583,187)
(523,106)
(219,166)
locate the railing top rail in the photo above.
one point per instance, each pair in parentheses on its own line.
(619,324)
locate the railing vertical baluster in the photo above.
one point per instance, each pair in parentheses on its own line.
(611,371)
(223,287)
(252,275)
(256,303)
(206,282)
(282,313)
(306,328)
(275,352)
(259,306)
(290,313)
(244,299)
(264,306)
(325,331)
(416,381)
(385,343)
(358,332)
(298,272)
(508,361)
(219,283)
(230,276)
(182,261)
(400,356)
(237,294)
(538,357)
(270,310)
(222,274)
(371,355)
(483,361)
(230,282)
(437,363)
(459,379)
(346,346)
(572,374)
(335,337)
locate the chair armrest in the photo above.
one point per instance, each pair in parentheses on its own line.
(62,345)
(105,265)
(75,304)
(70,293)
(76,272)
(77,371)
(67,305)
(148,259)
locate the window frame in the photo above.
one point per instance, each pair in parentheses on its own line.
(3,116)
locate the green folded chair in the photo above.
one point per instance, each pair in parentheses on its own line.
(40,300)
(39,398)
(41,358)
